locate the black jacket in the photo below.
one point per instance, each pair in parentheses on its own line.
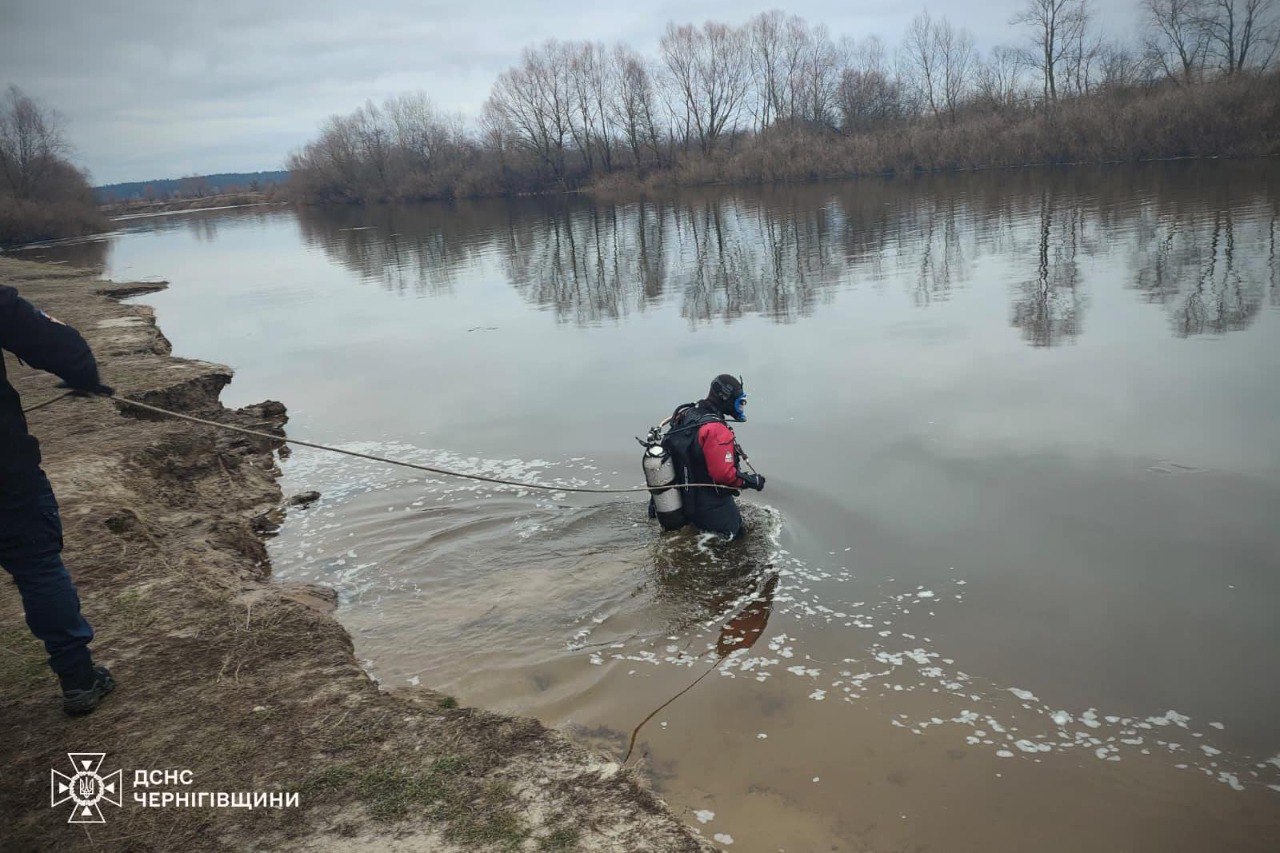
(42,342)
(710,510)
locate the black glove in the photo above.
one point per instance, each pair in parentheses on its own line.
(752,481)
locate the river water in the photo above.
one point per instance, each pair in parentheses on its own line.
(1014,582)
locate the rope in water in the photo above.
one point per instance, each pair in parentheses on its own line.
(431,469)
(631,746)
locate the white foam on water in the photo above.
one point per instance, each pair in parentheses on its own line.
(886,660)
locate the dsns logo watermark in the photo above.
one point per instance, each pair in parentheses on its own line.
(85,788)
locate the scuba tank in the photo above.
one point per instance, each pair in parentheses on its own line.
(660,477)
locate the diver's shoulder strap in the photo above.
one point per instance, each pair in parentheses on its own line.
(680,420)
(680,411)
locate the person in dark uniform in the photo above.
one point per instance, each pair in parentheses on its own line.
(30,527)
(704,449)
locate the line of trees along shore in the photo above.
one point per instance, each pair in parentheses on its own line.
(779,99)
(42,194)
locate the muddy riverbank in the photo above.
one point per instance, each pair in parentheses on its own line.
(249,684)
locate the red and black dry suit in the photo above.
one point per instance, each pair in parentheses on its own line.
(704,450)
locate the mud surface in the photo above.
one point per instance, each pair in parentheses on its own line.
(249,684)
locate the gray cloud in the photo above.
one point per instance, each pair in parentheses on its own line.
(158,88)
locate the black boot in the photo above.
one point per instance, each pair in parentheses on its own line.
(84,697)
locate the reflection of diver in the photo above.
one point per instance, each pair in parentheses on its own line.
(742,631)
(697,580)
(699,447)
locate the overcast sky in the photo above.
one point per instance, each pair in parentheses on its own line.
(165,88)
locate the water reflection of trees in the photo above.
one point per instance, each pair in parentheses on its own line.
(91,253)
(1211,267)
(722,258)
(1202,246)
(1273,259)
(418,248)
(206,225)
(753,259)
(1049,307)
(588,263)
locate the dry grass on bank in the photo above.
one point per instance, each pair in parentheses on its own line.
(1229,118)
(24,221)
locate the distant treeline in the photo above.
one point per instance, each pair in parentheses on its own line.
(43,196)
(779,99)
(196,186)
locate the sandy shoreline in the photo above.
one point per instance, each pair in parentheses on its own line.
(247,683)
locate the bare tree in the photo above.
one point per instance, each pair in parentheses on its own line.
(1241,32)
(1176,38)
(679,58)
(795,45)
(766,35)
(999,80)
(373,146)
(495,137)
(795,70)
(708,73)
(1056,26)
(1118,66)
(1082,54)
(920,58)
(31,144)
(328,168)
(816,85)
(535,101)
(957,61)
(634,109)
(592,83)
(941,60)
(391,151)
(421,135)
(870,95)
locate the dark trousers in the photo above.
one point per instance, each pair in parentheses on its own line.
(31,551)
(715,512)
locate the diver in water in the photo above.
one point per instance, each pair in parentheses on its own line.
(704,450)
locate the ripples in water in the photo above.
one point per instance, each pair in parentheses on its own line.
(464,581)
